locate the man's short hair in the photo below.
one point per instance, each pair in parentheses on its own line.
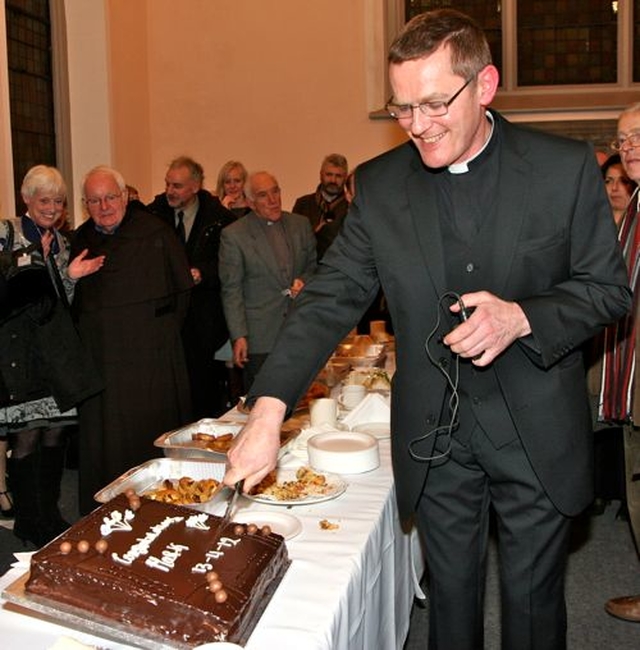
(337,160)
(426,32)
(195,169)
(249,186)
(106,171)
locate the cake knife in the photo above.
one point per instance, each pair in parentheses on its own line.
(237,491)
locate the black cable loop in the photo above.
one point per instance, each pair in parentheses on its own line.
(452,383)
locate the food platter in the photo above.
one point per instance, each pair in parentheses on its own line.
(197,440)
(151,474)
(335,486)
(281,523)
(180,443)
(375,380)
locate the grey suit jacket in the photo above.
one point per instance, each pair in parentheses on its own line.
(252,289)
(555,252)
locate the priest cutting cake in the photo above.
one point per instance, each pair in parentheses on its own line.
(513,227)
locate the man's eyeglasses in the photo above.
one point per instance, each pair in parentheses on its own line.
(95,201)
(632,140)
(430,109)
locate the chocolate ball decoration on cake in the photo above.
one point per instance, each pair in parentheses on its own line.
(83,546)
(101,546)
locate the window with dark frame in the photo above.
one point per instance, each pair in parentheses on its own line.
(635,39)
(559,42)
(30,87)
(487,13)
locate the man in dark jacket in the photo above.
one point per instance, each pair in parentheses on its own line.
(489,409)
(327,207)
(130,316)
(198,218)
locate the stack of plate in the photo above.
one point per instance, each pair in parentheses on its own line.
(343,452)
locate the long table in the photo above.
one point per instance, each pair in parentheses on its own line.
(350,588)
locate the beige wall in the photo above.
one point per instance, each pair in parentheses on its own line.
(275,83)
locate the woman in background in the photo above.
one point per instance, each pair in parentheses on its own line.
(609,483)
(232,178)
(230,188)
(618,185)
(44,371)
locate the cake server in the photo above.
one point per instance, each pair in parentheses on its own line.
(237,491)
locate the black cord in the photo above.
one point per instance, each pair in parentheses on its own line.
(452,382)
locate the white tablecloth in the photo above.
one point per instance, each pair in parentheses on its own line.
(346,589)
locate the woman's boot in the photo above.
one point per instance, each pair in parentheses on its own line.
(51,468)
(29,525)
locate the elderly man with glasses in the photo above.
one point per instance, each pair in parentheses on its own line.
(130,316)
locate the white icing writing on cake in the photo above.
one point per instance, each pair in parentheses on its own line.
(198,521)
(169,556)
(223,542)
(143,543)
(116,521)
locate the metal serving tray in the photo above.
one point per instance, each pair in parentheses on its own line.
(179,443)
(150,475)
(374,356)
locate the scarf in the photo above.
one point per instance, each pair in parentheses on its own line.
(33,233)
(327,214)
(619,338)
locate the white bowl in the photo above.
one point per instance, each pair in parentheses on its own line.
(343,452)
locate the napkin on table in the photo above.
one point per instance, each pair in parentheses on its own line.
(298,446)
(373,408)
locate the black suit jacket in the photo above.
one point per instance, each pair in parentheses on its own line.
(205,322)
(307,205)
(555,253)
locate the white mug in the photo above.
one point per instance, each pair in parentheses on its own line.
(323,411)
(351,395)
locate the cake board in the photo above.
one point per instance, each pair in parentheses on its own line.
(92,623)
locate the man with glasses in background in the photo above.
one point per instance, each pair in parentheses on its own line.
(129,316)
(620,391)
(489,405)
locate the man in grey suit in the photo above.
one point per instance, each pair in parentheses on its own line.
(513,225)
(265,259)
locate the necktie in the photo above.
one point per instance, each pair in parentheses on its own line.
(182,235)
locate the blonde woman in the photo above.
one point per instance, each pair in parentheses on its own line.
(230,188)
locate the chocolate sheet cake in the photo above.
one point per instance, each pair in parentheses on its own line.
(163,569)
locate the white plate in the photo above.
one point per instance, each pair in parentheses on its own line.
(379,430)
(337,485)
(346,452)
(280,522)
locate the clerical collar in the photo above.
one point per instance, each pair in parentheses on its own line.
(463,167)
